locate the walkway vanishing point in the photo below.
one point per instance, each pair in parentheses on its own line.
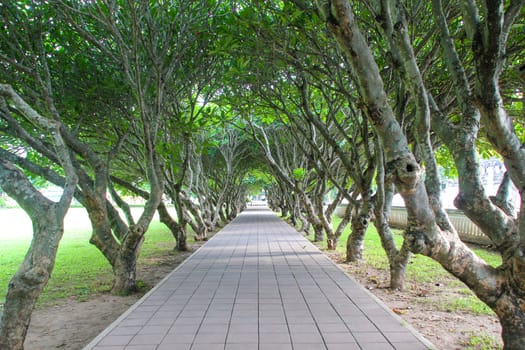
(258,284)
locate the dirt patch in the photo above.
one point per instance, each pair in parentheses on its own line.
(422,306)
(71,324)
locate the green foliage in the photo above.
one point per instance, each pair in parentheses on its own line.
(257,179)
(299,174)
(446,163)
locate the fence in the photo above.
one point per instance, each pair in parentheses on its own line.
(468,232)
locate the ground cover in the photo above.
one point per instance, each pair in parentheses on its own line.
(76,305)
(439,306)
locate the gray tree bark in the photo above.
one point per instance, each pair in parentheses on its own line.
(48,227)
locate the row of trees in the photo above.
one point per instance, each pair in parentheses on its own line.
(357,98)
(109,98)
(365,97)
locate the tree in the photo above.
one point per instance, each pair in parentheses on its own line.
(48,223)
(429,231)
(309,88)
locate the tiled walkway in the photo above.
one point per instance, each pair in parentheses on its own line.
(258,284)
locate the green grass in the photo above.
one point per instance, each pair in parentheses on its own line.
(468,303)
(422,269)
(482,342)
(80,269)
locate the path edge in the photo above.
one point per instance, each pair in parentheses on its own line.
(91,345)
(380,302)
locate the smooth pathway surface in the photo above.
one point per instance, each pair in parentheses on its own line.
(258,284)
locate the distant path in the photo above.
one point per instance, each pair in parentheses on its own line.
(258,284)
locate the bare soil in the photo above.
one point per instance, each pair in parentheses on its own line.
(72,324)
(421,306)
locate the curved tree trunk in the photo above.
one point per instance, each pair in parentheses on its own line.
(347,216)
(355,242)
(197,223)
(398,259)
(488,27)
(181,232)
(33,274)
(48,227)
(28,282)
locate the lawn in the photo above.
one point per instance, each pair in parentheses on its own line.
(80,268)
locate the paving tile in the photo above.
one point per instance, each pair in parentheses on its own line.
(132,330)
(244,328)
(377,346)
(275,346)
(178,338)
(345,346)
(184,329)
(133,322)
(338,338)
(236,338)
(369,337)
(332,327)
(303,328)
(146,339)
(274,338)
(410,346)
(163,346)
(207,347)
(210,338)
(214,328)
(309,346)
(273,327)
(156,329)
(260,285)
(306,338)
(112,340)
(242,346)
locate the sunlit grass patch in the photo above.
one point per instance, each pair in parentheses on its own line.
(80,269)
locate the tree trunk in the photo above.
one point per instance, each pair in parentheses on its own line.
(398,267)
(48,227)
(318,233)
(181,232)
(28,282)
(355,242)
(512,319)
(125,267)
(182,235)
(284,211)
(347,216)
(167,220)
(197,222)
(305,225)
